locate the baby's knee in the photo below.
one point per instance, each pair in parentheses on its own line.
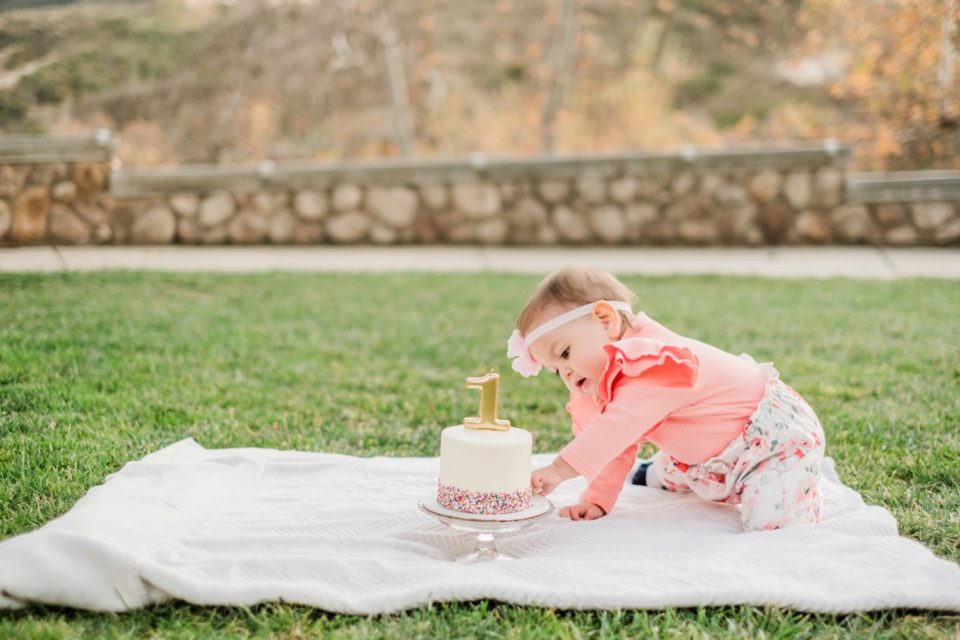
(784,506)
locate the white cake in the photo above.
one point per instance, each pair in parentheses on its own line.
(484,471)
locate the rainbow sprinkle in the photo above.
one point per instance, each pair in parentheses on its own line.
(478,502)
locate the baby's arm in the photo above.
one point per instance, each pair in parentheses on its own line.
(599,497)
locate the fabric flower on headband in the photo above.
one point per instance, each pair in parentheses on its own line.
(522,363)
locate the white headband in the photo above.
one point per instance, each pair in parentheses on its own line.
(518,347)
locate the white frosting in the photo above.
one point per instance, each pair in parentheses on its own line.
(485,460)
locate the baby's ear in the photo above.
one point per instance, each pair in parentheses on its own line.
(608,317)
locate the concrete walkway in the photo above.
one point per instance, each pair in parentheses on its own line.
(787,262)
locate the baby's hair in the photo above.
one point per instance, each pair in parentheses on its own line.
(572,287)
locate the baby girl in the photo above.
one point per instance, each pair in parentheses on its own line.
(726,427)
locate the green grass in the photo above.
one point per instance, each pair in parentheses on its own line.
(99,369)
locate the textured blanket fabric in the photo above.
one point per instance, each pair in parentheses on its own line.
(242,526)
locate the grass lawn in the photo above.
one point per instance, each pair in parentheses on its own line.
(99,369)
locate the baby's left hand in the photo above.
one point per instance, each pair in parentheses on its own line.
(582,511)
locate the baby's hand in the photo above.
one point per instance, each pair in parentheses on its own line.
(545,479)
(582,511)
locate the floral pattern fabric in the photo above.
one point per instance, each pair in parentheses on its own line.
(772,470)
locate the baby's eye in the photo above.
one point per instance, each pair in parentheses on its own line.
(566,353)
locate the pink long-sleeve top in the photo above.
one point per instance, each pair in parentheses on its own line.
(688,398)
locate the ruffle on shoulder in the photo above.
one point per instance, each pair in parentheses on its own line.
(582,408)
(659,364)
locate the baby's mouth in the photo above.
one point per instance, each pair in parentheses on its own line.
(580,383)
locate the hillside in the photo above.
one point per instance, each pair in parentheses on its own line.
(209,81)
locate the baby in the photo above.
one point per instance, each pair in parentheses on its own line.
(726,427)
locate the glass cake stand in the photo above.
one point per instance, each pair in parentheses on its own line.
(486,527)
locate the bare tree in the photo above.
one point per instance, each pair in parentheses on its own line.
(403,125)
(564,43)
(948,57)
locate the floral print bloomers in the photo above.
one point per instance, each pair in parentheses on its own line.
(772,470)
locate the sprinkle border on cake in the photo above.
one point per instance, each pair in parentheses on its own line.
(484,503)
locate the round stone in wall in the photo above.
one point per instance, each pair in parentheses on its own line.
(491,231)
(798,189)
(592,188)
(347,196)
(554,191)
(811,226)
(461,233)
(92,211)
(635,218)
(607,224)
(828,187)
(64,191)
(477,200)
(683,184)
(570,225)
(851,222)
(12,179)
(156,226)
(216,235)
(102,233)
(351,226)
(930,215)
(90,176)
(547,236)
(948,234)
(426,227)
(527,213)
(891,215)
(216,209)
(308,233)
(736,221)
(248,227)
(688,208)
(394,206)
(765,186)
(281,227)
(30,215)
(269,202)
(710,182)
(5,218)
(189,231)
(185,204)
(508,191)
(66,226)
(701,231)
(730,194)
(903,235)
(310,205)
(658,232)
(434,195)
(623,190)
(382,234)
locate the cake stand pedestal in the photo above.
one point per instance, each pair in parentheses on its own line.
(486,527)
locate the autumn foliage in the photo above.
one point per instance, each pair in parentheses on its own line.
(206,81)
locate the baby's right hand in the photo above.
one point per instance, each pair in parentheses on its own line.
(582,511)
(545,479)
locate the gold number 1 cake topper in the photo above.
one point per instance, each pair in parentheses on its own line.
(489,386)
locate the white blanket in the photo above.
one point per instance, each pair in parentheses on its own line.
(242,526)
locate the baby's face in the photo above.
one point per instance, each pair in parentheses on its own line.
(574,351)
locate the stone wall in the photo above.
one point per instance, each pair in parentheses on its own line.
(56,190)
(799,194)
(906,208)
